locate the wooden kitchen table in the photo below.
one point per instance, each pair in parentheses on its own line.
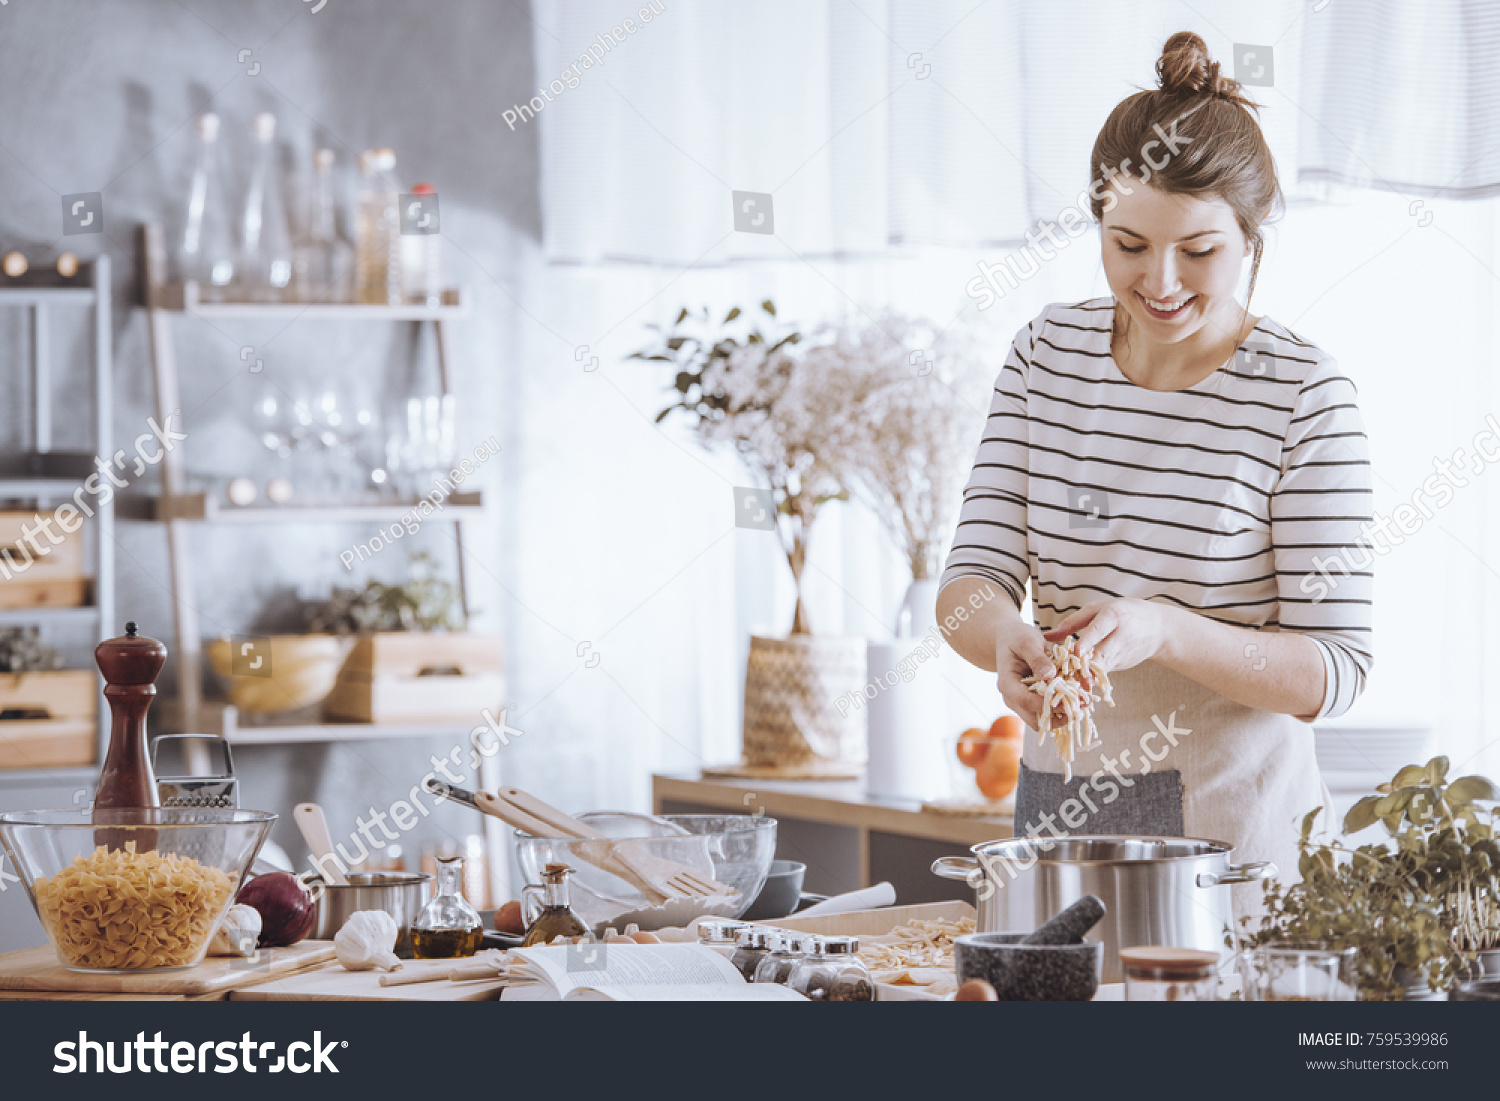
(847,839)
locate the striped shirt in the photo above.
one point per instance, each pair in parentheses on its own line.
(1216,498)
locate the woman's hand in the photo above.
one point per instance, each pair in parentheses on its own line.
(1121,633)
(1020,651)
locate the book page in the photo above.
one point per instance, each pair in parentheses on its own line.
(686,992)
(597,965)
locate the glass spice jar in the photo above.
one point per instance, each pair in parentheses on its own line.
(1155,973)
(750,947)
(776,965)
(720,935)
(832,972)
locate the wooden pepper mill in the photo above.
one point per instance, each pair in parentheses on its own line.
(130,664)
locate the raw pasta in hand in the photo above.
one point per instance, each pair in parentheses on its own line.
(1068,700)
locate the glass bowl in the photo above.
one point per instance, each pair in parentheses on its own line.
(132,890)
(735,849)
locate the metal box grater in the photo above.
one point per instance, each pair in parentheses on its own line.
(195,771)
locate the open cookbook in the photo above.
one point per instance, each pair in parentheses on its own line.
(632,973)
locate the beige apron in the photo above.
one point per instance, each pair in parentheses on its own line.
(1248,776)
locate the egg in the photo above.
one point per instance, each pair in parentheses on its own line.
(976,990)
(645,938)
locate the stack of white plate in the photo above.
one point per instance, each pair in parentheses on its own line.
(1357,758)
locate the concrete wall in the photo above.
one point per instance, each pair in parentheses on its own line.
(101,97)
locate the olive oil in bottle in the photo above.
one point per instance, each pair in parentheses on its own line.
(447,927)
(556,918)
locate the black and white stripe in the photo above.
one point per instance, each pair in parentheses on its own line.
(1216,498)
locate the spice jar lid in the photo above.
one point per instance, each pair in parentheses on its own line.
(841,946)
(720,931)
(756,937)
(555,873)
(1161,961)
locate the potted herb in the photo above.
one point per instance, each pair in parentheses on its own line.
(1420,907)
(411,660)
(783,414)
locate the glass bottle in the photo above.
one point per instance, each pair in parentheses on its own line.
(377,236)
(207,255)
(322,261)
(422,260)
(447,926)
(750,947)
(554,917)
(776,966)
(266,252)
(832,972)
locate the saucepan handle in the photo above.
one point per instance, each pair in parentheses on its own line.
(955,867)
(1238,873)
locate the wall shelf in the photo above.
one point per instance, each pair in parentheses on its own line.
(186,299)
(209,509)
(225,721)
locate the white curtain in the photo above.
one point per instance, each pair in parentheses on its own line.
(888,186)
(1404,97)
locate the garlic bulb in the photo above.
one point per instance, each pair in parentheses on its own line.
(237,933)
(367,941)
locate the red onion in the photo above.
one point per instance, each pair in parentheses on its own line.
(286,908)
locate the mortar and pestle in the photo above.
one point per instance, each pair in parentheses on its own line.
(1052,964)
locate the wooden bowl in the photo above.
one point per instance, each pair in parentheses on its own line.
(299,671)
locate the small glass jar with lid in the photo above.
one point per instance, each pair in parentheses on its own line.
(1156,973)
(776,965)
(720,935)
(752,944)
(832,971)
(447,927)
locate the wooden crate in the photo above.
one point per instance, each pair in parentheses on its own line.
(68,734)
(53,580)
(416,676)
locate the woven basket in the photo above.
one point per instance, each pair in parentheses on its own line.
(792,688)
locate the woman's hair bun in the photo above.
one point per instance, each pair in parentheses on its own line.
(1185,68)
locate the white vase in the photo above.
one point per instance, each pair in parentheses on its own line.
(909,709)
(918,613)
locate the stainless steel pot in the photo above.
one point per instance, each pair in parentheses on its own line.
(1157,890)
(400,894)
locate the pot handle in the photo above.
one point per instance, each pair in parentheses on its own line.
(955,867)
(1238,873)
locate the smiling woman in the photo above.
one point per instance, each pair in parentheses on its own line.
(1161,467)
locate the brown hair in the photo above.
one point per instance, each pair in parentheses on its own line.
(1221,151)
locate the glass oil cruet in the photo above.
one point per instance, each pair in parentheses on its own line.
(552,916)
(448,926)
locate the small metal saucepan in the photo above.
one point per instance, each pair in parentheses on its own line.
(400,894)
(1156,890)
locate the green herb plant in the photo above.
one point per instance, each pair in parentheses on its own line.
(1417,907)
(424,602)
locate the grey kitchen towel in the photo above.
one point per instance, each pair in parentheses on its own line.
(1140,804)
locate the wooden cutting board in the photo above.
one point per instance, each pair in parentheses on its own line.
(38,969)
(331,983)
